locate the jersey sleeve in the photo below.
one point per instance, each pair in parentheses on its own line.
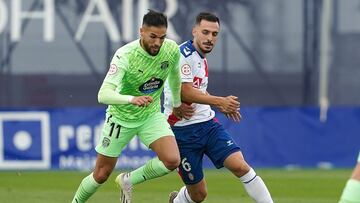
(108,93)
(117,69)
(186,69)
(175,81)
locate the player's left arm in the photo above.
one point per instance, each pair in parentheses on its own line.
(180,109)
(175,81)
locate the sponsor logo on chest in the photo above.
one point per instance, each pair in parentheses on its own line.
(151,85)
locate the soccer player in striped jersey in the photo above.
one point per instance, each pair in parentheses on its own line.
(202,134)
(351,193)
(132,90)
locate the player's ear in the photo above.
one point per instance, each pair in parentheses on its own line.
(193,31)
(141,31)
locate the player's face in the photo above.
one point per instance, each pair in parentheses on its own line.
(152,38)
(205,35)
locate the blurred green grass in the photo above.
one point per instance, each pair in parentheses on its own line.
(286,186)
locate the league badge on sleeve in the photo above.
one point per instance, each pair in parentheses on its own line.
(186,69)
(113,69)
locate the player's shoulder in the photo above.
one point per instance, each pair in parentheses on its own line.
(125,52)
(170,45)
(187,49)
(128,48)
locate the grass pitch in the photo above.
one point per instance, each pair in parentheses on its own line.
(294,186)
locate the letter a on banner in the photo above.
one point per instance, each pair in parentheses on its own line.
(3,15)
(104,16)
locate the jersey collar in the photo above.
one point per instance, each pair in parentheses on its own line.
(193,49)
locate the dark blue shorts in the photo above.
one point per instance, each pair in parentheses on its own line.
(195,140)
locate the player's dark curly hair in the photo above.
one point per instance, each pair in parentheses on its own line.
(153,18)
(206,16)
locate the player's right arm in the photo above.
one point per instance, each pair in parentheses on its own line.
(108,93)
(227,104)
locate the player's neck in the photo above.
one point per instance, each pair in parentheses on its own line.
(199,50)
(143,47)
(142,44)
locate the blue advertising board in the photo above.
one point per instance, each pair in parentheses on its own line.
(64,138)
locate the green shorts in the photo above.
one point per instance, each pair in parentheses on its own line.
(114,137)
(359,158)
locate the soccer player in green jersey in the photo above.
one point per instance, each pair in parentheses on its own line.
(132,89)
(351,193)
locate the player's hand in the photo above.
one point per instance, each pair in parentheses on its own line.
(235,116)
(142,101)
(184,111)
(229,104)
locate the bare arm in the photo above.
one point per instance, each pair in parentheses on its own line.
(192,95)
(229,105)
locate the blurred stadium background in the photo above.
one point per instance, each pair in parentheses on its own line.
(294,64)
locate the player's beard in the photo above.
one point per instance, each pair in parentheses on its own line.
(151,49)
(206,51)
(203,50)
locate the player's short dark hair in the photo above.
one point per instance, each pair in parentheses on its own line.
(153,18)
(206,16)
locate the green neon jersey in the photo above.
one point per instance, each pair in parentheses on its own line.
(137,73)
